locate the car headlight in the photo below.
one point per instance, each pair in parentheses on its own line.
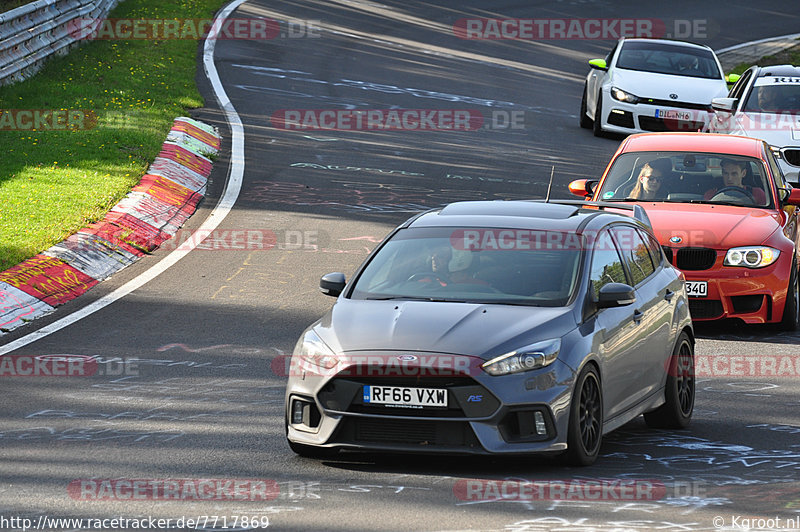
(534,356)
(621,95)
(312,350)
(751,256)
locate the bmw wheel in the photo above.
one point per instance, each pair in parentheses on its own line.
(586,122)
(585,419)
(791,311)
(676,412)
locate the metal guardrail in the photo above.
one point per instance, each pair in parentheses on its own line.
(30,34)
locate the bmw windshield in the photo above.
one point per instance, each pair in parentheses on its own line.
(687,177)
(474,265)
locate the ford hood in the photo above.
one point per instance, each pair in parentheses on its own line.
(472,329)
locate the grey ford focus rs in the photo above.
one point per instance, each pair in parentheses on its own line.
(497,328)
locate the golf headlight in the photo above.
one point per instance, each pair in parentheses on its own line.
(534,356)
(621,95)
(751,256)
(312,350)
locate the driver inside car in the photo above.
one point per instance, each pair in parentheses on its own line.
(449,266)
(733,173)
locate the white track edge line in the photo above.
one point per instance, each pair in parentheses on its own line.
(761,41)
(231,193)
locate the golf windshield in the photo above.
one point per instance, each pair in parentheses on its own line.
(671,59)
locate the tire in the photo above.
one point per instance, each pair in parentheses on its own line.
(585,433)
(676,412)
(586,122)
(791,311)
(597,127)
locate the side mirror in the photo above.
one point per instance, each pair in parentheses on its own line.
(598,64)
(793,198)
(583,187)
(332,284)
(615,295)
(732,78)
(724,105)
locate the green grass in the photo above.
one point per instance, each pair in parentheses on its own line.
(790,56)
(8,5)
(52,183)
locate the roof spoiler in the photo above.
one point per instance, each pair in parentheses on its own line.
(638,211)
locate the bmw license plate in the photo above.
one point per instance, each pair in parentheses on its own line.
(671,114)
(697,288)
(402,396)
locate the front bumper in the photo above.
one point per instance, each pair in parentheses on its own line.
(502,421)
(751,295)
(627,118)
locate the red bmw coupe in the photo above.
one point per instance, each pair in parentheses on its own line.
(724,215)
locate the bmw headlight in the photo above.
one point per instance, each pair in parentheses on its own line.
(534,356)
(312,350)
(751,256)
(621,95)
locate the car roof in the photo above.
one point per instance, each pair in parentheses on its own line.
(778,70)
(666,41)
(693,142)
(519,214)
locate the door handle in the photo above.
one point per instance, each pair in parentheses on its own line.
(637,316)
(669,294)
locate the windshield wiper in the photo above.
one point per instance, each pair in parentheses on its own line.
(415,298)
(623,199)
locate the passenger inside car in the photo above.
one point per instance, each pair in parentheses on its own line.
(651,181)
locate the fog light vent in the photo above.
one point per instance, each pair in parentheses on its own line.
(305,412)
(541,428)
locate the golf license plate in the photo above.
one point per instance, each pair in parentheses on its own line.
(399,395)
(671,114)
(697,288)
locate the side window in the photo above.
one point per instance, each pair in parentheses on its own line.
(738,87)
(654,247)
(606,264)
(610,55)
(780,179)
(634,252)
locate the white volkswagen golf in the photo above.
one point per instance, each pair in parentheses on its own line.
(651,85)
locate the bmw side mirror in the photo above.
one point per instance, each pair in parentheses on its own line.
(793,198)
(615,295)
(332,284)
(583,187)
(598,64)
(724,105)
